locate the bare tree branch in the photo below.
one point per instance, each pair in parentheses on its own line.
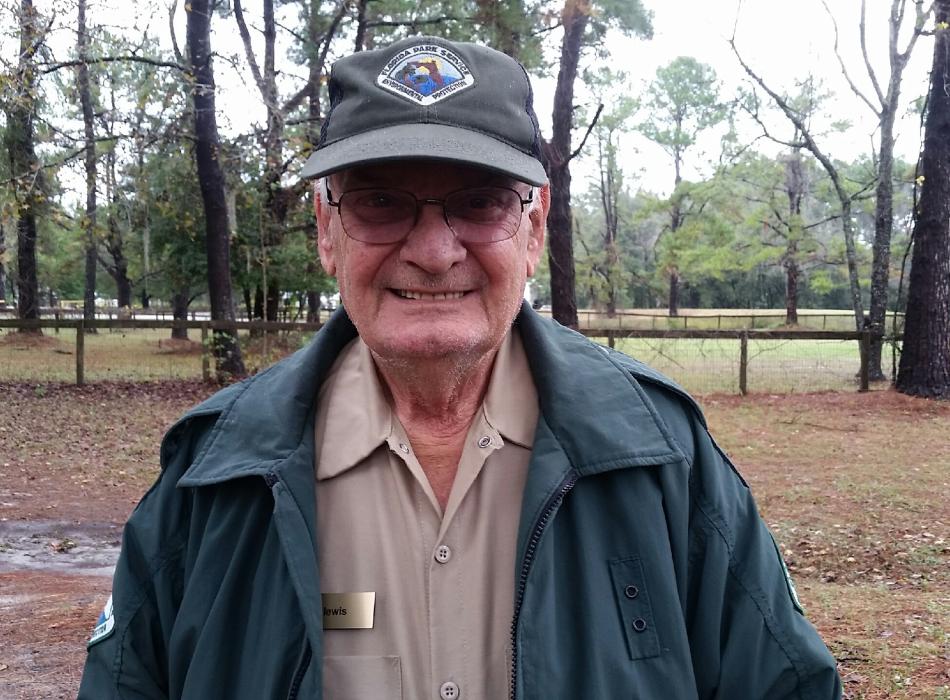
(864,52)
(158,63)
(833,217)
(294,102)
(248,48)
(919,22)
(590,127)
(172,9)
(415,23)
(844,69)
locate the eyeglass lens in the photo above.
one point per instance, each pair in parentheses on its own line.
(476,215)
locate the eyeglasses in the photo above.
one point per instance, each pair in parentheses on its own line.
(475,215)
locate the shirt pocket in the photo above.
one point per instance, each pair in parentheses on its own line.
(633,604)
(349,677)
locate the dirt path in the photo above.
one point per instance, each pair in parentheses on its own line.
(73,464)
(854,487)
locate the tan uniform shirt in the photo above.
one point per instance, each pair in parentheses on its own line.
(443,583)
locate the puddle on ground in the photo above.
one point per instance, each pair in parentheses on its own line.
(49,545)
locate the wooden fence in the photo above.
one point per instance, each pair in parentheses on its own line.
(623,319)
(611,336)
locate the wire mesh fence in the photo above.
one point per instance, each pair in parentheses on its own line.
(703,362)
(712,365)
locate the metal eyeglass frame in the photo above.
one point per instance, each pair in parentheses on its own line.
(421,202)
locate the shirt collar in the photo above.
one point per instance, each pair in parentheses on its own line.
(511,401)
(354,418)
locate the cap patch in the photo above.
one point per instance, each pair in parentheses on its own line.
(425,74)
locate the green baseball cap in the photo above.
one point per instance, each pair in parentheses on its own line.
(429,98)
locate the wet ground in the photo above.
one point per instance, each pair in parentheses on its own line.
(59,547)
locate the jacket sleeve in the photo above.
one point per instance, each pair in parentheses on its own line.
(127,656)
(749,637)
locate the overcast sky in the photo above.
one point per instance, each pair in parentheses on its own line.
(783,41)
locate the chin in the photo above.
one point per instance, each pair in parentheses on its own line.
(435,344)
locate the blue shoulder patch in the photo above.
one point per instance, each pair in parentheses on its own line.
(105,625)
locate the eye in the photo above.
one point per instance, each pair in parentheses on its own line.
(377,199)
(483,204)
(377,206)
(483,200)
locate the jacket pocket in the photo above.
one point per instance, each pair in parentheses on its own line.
(633,604)
(349,677)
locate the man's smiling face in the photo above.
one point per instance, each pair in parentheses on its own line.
(430,295)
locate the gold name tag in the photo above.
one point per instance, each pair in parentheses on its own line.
(348,611)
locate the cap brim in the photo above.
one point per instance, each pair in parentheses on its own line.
(425,142)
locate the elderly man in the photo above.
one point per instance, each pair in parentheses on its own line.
(445,495)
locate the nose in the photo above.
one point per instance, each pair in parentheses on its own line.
(431,245)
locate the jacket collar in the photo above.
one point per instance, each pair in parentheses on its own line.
(591,402)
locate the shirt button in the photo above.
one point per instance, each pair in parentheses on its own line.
(631,592)
(484,441)
(639,624)
(404,448)
(449,691)
(442,555)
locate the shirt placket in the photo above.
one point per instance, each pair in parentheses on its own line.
(450,563)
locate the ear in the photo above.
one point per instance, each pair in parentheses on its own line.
(325,242)
(538,217)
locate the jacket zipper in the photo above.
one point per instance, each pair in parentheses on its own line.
(271,479)
(553,503)
(301,670)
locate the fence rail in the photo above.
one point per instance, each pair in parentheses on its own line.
(705,361)
(641,319)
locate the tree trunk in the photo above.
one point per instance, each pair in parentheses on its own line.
(881,248)
(227,351)
(674,296)
(89,285)
(557,154)
(273,300)
(795,191)
(360,42)
(676,220)
(924,368)
(791,285)
(180,301)
(118,264)
(24,167)
(88,117)
(884,207)
(248,308)
(313,307)
(3,269)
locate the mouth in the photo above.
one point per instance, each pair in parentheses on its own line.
(423,296)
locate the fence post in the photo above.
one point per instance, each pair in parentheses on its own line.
(610,338)
(865,344)
(743,363)
(205,349)
(81,353)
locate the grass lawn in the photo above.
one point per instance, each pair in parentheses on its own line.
(853,485)
(701,366)
(123,355)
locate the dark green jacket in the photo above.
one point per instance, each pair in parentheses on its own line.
(644,569)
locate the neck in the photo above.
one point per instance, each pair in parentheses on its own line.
(436,403)
(436,399)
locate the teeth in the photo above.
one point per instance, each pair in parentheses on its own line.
(405,294)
